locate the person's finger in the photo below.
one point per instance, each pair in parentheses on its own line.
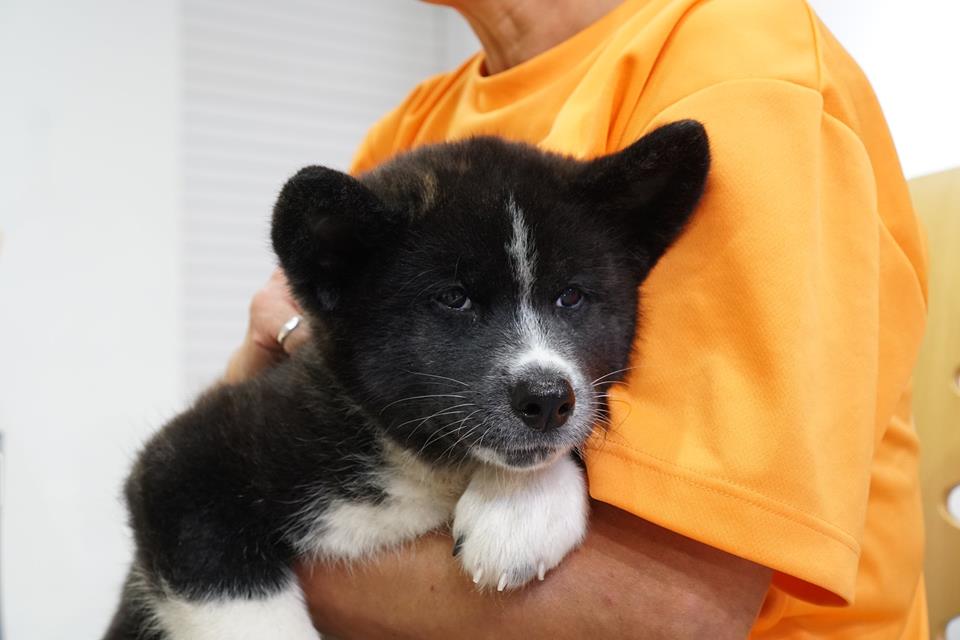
(279,279)
(271,308)
(248,360)
(299,336)
(296,337)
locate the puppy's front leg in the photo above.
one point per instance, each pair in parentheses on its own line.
(280,616)
(510,526)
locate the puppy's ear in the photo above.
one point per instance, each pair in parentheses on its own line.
(326,224)
(651,187)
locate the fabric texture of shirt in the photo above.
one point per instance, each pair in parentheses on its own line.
(768,413)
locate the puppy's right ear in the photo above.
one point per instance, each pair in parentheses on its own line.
(325,225)
(650,188)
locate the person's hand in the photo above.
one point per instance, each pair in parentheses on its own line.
(271,307)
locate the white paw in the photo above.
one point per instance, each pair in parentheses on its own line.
(512,526)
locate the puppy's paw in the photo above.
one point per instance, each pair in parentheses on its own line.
(512,526)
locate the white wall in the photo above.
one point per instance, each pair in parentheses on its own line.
(458,40)
(88,292)
(271,86)
(128,130)
(911,53)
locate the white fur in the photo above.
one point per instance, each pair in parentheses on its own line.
(522,253)
(419,499)
(523,258)
(497,459)
(282,617)
(546,359)
(489,456)
(516,525)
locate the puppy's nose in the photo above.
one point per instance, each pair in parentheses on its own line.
(543,404)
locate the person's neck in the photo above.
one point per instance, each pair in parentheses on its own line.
(513,31)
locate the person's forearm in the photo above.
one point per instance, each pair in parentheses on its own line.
(630,579)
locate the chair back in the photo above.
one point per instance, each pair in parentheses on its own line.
(937,395)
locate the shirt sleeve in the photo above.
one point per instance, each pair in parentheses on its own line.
(760,384)
(379,143)
(397,131)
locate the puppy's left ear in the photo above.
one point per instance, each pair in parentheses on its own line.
(326,227)
(651,187)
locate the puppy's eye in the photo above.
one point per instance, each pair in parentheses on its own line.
(570,298)
(454,298)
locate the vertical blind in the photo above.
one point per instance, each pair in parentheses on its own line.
(269,87)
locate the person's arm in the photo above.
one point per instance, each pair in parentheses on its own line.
(631,579)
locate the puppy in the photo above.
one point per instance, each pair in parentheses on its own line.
(474,301)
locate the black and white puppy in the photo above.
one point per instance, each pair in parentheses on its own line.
(471,302)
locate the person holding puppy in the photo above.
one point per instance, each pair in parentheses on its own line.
(760,477)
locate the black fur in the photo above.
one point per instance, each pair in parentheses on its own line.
(220,496)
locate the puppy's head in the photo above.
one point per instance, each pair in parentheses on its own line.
(478,297)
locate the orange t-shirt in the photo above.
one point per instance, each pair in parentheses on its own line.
(769,411)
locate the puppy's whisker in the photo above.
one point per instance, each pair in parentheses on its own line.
(444,431)
(433,395)
(465,435)
(444,411)
(466,455)
(611,383)
(417,277)
(417,428)
(443,385)
(423,422)
(479,442)
(433,375)
(612,373)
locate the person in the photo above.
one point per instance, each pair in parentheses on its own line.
(761,475)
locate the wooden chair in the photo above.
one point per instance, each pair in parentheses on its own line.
(937,394)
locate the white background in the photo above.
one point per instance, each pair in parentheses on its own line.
(105,120)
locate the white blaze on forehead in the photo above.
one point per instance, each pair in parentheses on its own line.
(523,254)
(523,259)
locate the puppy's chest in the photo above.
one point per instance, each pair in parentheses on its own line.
(417,498)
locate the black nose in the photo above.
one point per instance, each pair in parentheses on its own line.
(543,404)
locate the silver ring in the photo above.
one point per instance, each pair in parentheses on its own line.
(288,328)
